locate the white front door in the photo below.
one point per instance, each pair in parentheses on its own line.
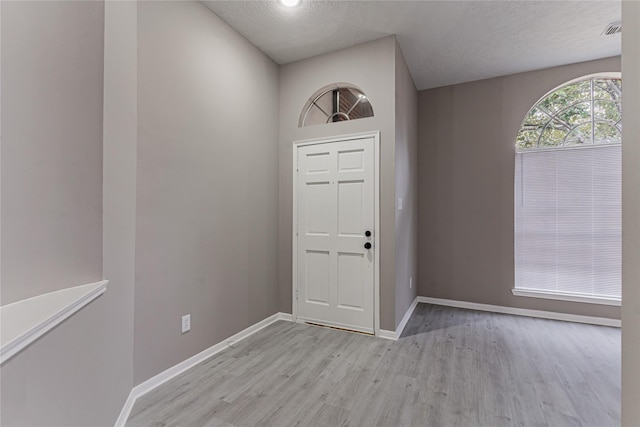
(335,234)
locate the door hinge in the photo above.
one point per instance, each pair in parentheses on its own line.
(297,292)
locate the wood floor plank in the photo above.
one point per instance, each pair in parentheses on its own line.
(451,367)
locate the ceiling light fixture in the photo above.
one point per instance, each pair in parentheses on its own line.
(290,3)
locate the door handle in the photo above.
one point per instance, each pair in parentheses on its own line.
(367,245)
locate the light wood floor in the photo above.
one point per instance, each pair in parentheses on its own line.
(452,367)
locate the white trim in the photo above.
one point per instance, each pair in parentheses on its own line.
(566,296)
(405,318)
(156,381)
(126,410)
(395,335)
(294,236)
(376,254)
(387,335)
(181,367)
(376,193)
(25,321)
(603,321)
(336,138)
(569,147)
(285,316)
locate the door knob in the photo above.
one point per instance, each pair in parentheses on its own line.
(367,245)
(367,233)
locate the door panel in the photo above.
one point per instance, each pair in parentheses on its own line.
(317,277)
(351,160)
(350,281)
(317,221)
(318,162)
(350,208)
(335,274)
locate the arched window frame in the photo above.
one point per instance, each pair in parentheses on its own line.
(337,113)
(617,125)
(564,194)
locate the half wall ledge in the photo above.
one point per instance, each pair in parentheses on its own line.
(23,322)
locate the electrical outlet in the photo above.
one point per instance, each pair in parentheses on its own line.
(410,282)
(186,323)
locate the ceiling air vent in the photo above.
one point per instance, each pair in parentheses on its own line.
(613,28)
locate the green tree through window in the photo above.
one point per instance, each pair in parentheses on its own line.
(587,111)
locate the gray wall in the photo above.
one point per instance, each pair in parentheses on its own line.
(207,184)
(370,66)
(466,162)
(406,186)
(52,65)
(631,215)
(52,116)
(120,129)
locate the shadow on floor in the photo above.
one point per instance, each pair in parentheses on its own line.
(429,317)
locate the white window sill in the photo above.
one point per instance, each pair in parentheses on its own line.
(566,296)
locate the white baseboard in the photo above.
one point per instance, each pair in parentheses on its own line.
(388,335)
(602,321)
(285,316)
(406,318)
(395,335)
(126,410)
(163,377)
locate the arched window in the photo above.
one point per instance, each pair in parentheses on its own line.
(335,103)
(568,193)
(586,111)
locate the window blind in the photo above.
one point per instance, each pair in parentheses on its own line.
(568,221)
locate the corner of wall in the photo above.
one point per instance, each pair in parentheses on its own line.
(119,183)
(204,231)
(406,183)
(467,170)
(631,214)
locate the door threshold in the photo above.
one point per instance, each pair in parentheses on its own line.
(337,328)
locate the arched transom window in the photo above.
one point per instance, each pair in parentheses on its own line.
(335,103)
(587,111)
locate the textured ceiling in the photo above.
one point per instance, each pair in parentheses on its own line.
(444,42)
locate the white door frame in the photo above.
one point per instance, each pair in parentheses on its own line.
(376,197)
